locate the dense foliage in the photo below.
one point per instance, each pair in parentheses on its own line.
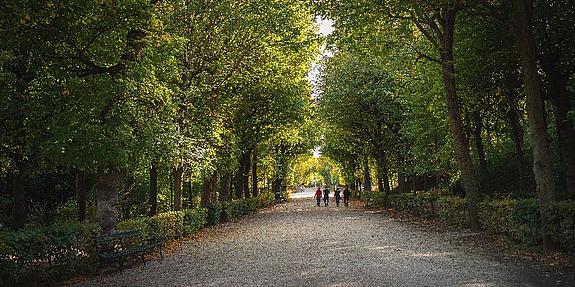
(165,116)
(470,98)
(129,104)
(135,113)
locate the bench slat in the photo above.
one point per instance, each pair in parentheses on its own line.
(117,252)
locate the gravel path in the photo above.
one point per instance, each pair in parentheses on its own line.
(298,244)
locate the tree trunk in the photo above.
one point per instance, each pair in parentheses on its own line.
(402,183)
(106,188)
(205,197)
(366,176)
(225,187)
(542,164)
(128,186)
(387,188)
(238,183)
(246,159)
(383,178)
(462,154)
(191,194)
(565,129)
(255,174)
(19,201)
(177,175)
(153,194)
(277,185)
(209,189)
(81,195)
(485,182)
(517,134)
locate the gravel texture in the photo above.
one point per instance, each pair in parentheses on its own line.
(299,244)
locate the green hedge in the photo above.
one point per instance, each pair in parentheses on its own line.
(214,214)
(451,210)
(237,208)
(45,255)
(562,216)
(168,225)
(517,219)
(376,198)
(421,204)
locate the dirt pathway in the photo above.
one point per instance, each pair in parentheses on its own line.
(298,244)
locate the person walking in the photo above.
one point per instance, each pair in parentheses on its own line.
(317,195)
(326,196)
(337,195)
(346,196)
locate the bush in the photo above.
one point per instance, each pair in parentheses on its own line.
(376,198)
(168,225)
(451,210)
(141,224)
(194,220)
(46,254)
(422,204)
(526,222)
(266,200)
(214,214)
(517,219)
(561,215)
(402,201)
(496,215)
(236,208)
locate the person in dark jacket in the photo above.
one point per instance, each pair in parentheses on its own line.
(346,196)
(337,195)
(326,196)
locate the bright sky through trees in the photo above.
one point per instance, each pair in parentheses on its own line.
(325,26)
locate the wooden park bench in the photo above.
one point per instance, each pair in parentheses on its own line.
(118,247)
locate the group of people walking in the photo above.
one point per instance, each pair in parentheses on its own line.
(325,195)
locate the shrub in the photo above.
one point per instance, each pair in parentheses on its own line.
(422,204)
(254,204)
(266,200)
(228,211)
(141,223)
(234,209)
(214,215)
(376,198)
(168,225)
(194,220)
(561,215)
(496,215)
(425,203)
(46,254)
(517,219)
(526,222)
(402,201)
